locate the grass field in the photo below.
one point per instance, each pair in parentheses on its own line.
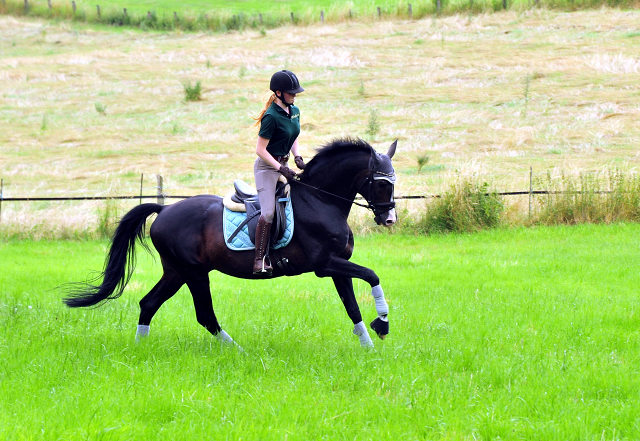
(87,110)
(505,334)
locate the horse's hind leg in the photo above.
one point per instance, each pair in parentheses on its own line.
(344,285)
(168,285)
(201,293)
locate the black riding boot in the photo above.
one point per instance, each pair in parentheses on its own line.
(261,263)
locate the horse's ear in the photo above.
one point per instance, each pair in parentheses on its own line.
(392,149)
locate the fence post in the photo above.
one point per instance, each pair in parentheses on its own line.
(504,4)
(410,12)
(73,6)
(98,9)
(149,15)
(124,11)
(49,4)
(379,14)
(26,6)
(261,22)
(1,193)
(141,176)
(350,14)
(292,18)
(160,194)
(438,6)
(175,16)
(530,189)
(322,16)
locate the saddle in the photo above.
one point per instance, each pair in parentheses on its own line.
(244,199)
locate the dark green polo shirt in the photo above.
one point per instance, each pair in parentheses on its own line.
(280,128)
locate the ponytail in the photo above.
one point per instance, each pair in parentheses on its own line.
(258,118)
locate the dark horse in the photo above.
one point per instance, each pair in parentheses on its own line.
(188,235)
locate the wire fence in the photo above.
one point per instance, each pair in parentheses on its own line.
(161,196)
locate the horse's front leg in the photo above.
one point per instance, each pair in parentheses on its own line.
(344,285)
(338,267)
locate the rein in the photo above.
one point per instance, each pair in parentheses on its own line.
(367,206)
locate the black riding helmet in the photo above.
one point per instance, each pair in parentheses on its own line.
(285,81)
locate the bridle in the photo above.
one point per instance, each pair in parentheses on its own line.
(374,174)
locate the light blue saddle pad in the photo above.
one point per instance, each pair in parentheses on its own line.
(241,241)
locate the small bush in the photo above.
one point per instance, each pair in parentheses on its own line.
(107,219)
(193,93)
(101,108)
(373,126)
(422,161)
(466,207)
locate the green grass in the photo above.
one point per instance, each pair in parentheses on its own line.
(217,15)
(509,334)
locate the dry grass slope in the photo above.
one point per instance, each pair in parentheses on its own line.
(86,111)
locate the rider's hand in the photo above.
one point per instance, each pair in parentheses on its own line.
(299,162)
(288,173)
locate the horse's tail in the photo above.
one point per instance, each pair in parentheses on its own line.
(120,262)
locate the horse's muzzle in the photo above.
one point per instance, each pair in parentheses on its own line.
(387,218)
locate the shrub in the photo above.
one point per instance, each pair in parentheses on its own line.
(193,93)
(466,207)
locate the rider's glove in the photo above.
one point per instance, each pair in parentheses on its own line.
(299,162)
(287,173)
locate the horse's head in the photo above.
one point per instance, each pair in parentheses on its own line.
(379,186)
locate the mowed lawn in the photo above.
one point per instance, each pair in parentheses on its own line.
(505,334)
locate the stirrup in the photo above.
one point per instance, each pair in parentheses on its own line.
(264,270)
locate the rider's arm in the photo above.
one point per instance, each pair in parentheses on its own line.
(261,151)
(295,148)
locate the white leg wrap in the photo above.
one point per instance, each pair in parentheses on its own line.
(381,303)
(224,337)
(361,331)
(142,331)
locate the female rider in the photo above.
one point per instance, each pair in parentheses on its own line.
(279,124)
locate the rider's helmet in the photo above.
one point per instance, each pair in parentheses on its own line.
(285,81)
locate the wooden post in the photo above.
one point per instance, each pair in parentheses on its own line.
(292,18)
(175,16)
(124,10)
(322,16)
(438,6)
(261,22)
(141,176)
(410,12)
(73,6)
(26,6)
(504,4)
(148,15)
(98,10)
(160,194)
(1,197)
(49,4)
(350,14)
(530,189)
(379,14)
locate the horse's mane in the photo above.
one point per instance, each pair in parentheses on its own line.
(326,152)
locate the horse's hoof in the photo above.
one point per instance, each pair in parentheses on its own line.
(381,327)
